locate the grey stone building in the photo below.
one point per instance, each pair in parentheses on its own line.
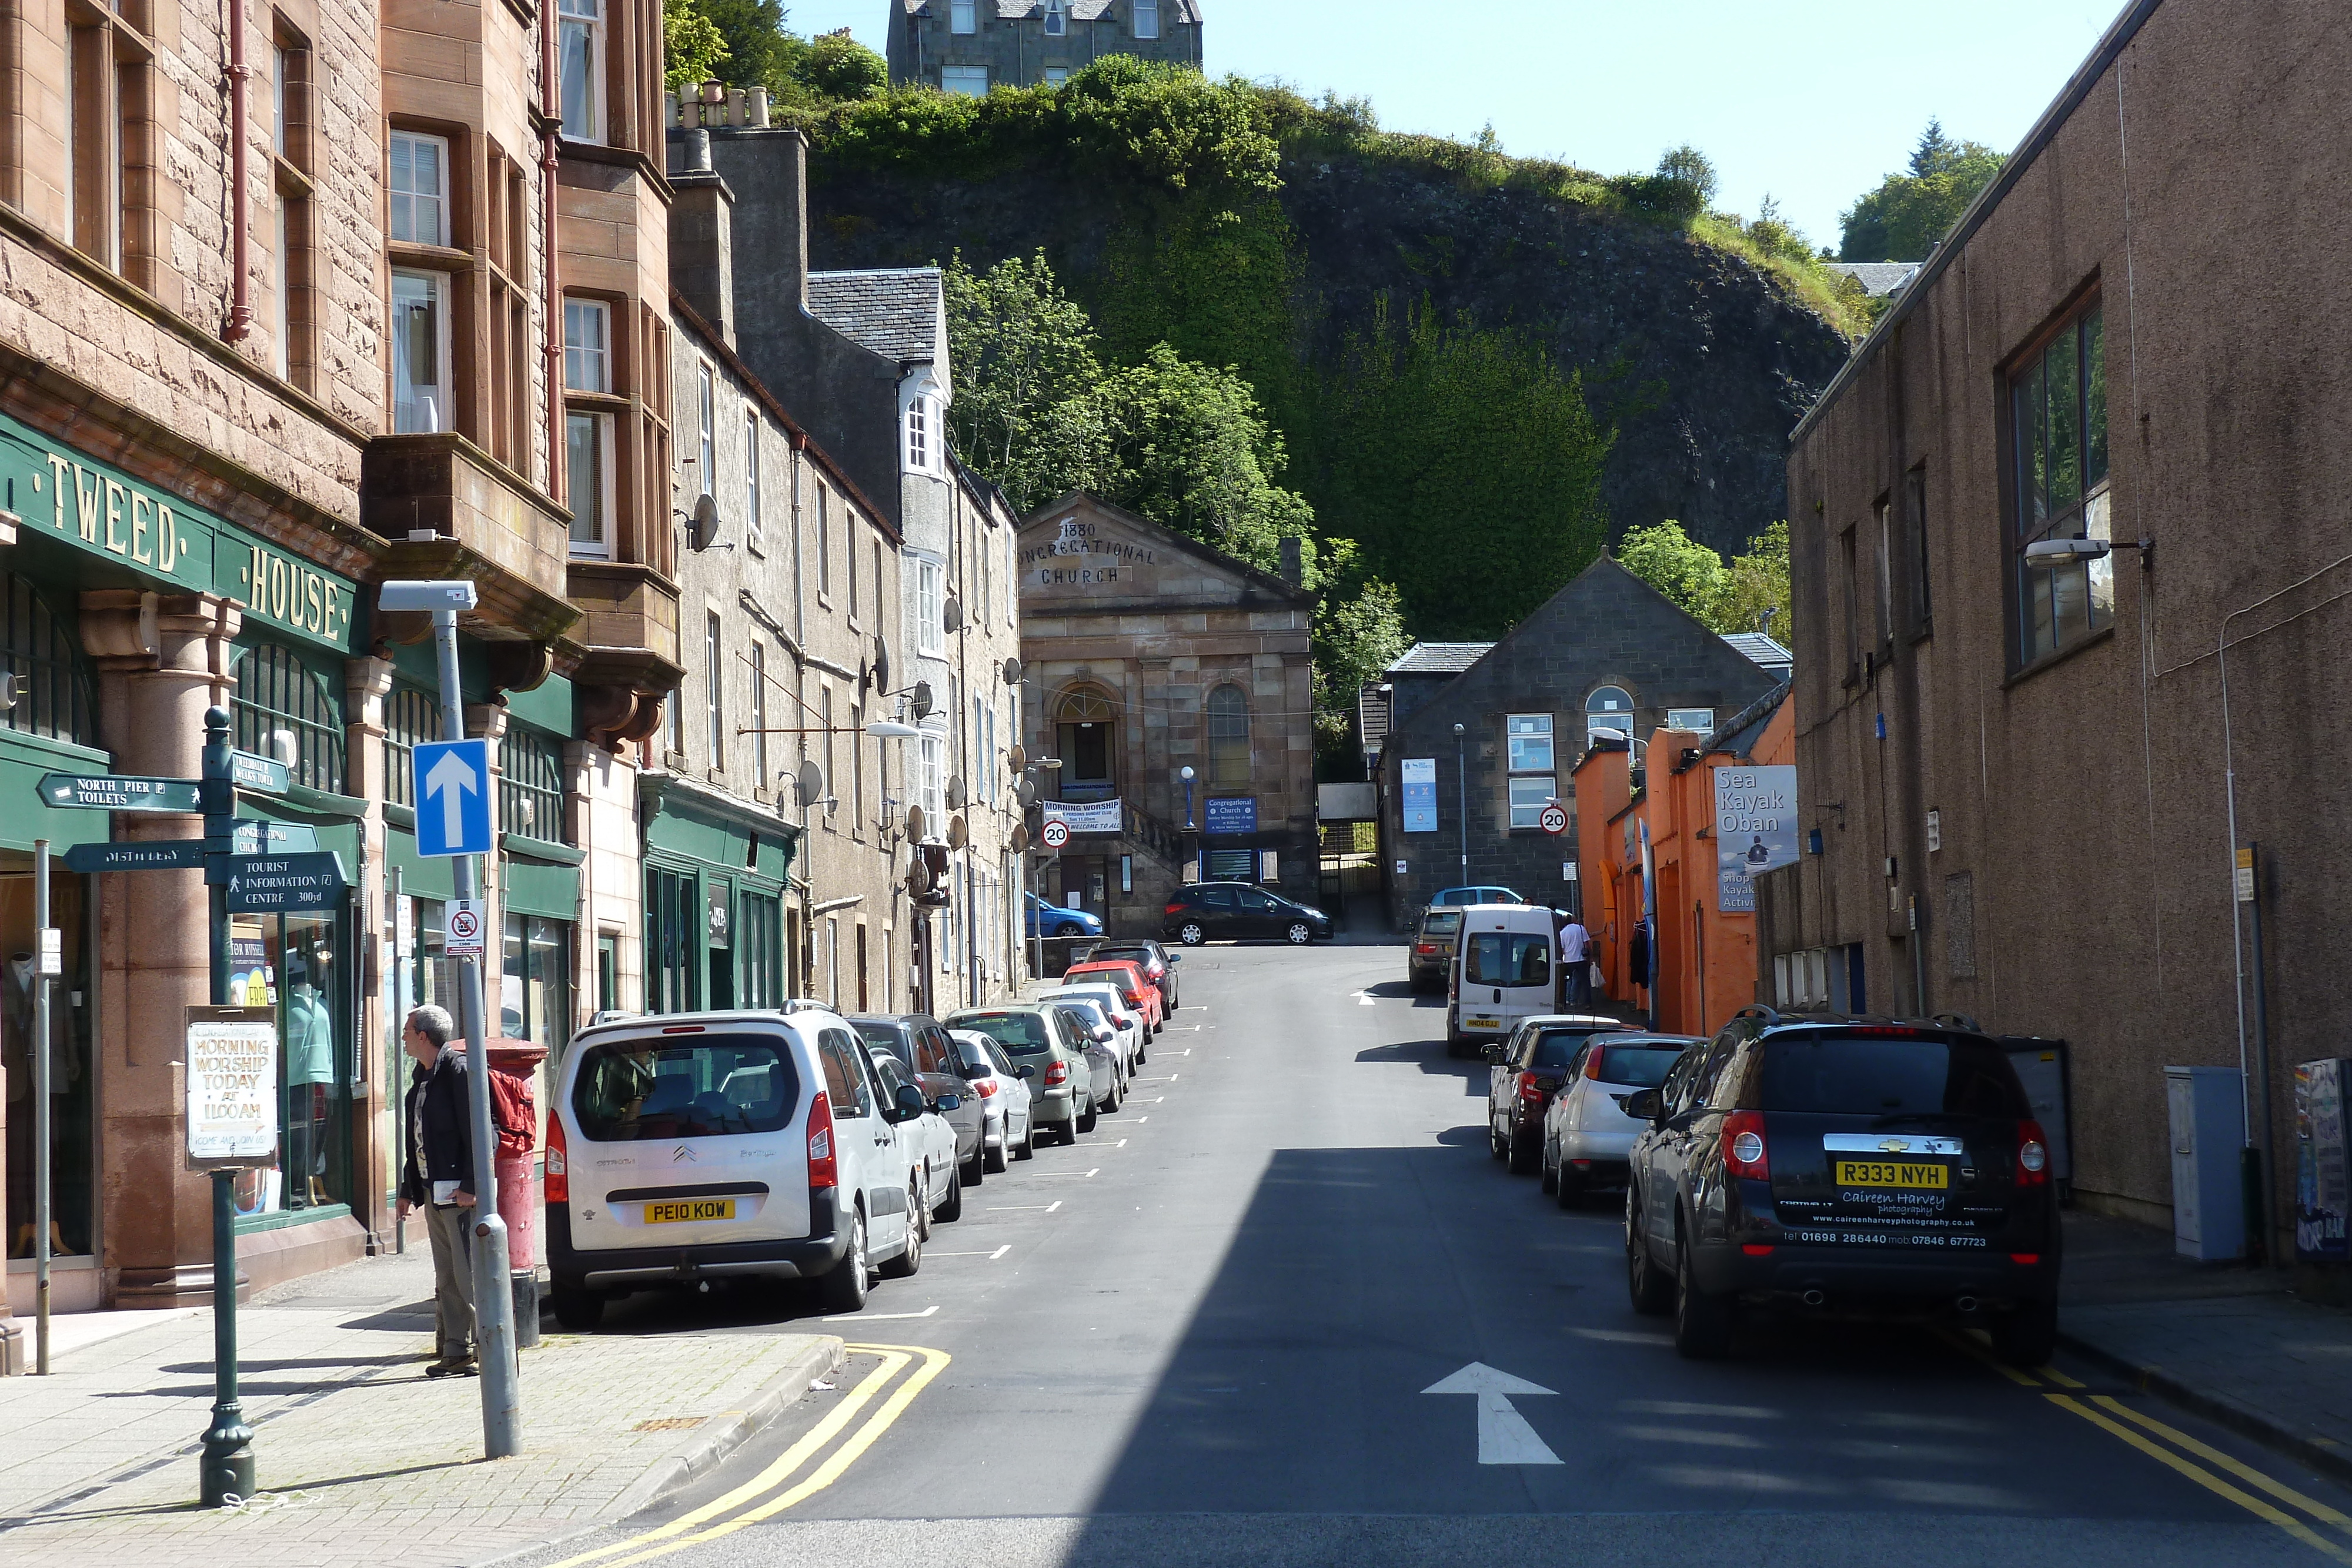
(970,45)
(1606,654)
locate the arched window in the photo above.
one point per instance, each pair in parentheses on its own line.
(1229,738)
(1609,708)
(284,709)
(51,685)
(1085,732)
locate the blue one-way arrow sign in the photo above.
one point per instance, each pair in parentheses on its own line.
(453,797)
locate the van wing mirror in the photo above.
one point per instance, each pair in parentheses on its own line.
(909,1102)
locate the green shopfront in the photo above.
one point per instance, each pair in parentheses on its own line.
(716,869)
(125,613)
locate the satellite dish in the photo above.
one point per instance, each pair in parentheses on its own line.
(919,875)
(881,665)
(1012,672)
(922,703)
(1027,792)
(951,615)
(1021,838)
(810,782)
(1018,757)
(958,835)
(915,823)
(702,528)
(955,793)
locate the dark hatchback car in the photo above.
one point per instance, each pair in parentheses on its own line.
(1239,910)
(923,1049)
(1433,949)
(1158,964)
(1523,1073)
(1843,1167)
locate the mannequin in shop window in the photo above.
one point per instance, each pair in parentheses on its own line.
(310,1069)
(16,1057)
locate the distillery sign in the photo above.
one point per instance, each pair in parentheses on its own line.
(99,510)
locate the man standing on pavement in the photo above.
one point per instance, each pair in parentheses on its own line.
(437,1176)
(1576,954)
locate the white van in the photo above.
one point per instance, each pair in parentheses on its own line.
(1505,968)
(697,1146)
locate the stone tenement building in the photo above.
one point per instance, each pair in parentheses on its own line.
(970,45)
(1149,654)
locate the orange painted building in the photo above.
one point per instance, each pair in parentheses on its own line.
(1707,957)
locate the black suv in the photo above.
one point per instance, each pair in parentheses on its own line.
(1847,1167)
(1238,909)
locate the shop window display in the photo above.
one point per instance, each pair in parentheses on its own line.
(288,962)
(73,1088)
(535,988)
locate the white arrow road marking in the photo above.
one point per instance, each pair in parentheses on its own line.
(453,778)
(1504,1435)
(1364,998)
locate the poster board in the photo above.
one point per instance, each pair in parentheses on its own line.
(232,1087)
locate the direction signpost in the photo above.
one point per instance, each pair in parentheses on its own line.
(247,866)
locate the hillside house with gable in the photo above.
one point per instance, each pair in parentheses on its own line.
(971,45)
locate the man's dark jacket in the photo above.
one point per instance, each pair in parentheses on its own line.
(436,1099)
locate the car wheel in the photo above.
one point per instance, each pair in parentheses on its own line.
(1550,1170)
(1523,1154)
(1084,1122)
(974,1171)
(911,1259)
(1069,1133)
(1703,1323)
(1495,1143)
(577,1310)
(1190,934)
(844,1290)
(1027,1147)
(1648,1284)
(1300,933)
(1141,1056)
(995,1160)
(950,1207)
(2028,1336)
(1568,1186)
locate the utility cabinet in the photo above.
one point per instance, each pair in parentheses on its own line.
(2208,1109)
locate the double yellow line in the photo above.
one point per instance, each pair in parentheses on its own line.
(751,1503)
(2143,1432)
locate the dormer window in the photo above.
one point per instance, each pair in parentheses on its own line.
(918,434)
(1146,18)
(1057,20)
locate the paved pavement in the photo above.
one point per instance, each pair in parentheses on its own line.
(361,1459)
(1203,1336)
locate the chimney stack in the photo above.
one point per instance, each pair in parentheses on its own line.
(1294,571)
(702,237)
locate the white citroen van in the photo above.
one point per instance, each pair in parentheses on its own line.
(724,1146)
(1505,968)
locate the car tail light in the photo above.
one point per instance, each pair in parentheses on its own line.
(1424,947)
(1530,1086)
(2025,1258)
(825,1169)
(1592,1061)
(1056,1074)
(2032,1156)
(1756,1249)
(1134,999)
(984,1087)
(558,1160)
(1743,1147)
(1173,909)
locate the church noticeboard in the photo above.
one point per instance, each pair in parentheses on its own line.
(232,1087)
(1230,814)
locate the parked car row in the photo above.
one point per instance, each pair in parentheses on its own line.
(802,1144)
(1215,911)
(1819,1165)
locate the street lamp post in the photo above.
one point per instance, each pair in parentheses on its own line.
(1462,788)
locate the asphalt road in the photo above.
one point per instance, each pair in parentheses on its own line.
(1203,1336)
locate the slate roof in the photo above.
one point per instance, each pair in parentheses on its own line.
(1438,658)
(1877,277)
(896,311)
(1172,13)
(1738,734)
(1762,651)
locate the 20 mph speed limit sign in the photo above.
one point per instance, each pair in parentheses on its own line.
(1554,820)
(1056,835)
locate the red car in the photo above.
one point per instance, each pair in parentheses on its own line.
(1139,993)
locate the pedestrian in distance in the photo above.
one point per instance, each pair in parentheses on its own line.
(1576,956)
(437,1176)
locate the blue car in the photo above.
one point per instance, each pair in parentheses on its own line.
(1057,921)
(1451,897)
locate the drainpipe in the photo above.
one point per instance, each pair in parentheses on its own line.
(550,90)
(239,325)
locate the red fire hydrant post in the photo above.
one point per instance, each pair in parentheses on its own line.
(514,1104)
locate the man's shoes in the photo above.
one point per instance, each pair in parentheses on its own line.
(463,1367)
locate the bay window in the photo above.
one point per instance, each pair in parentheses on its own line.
(579,50)
(420,353)
(929,595)
(588,477)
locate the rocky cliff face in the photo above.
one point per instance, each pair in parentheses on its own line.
(1699,360)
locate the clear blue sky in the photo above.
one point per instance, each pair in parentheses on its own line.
(1812,100)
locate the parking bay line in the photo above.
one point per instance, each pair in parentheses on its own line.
(1031,1207)
(880,1317)
(992,1257)
(1067,1176)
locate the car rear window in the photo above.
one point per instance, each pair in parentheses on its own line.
(1556,1047)
(889,1037)
(1634,1066)
(1123,975)
(1024,1034)
(1441,923)
(1507,958)
(1854,1073)
(708,1086)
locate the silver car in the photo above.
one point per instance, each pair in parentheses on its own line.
(1003,1090)
(1132,1029)
(1587,1134)
(1051,1040)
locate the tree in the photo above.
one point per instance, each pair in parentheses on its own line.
(1025,359)
(1359,631)
(759,51)
(1755,594)
(1903,219)
(1676,564)
(837,66)
(692,46)
(1687,166)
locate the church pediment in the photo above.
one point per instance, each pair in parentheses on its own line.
(1082,553)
